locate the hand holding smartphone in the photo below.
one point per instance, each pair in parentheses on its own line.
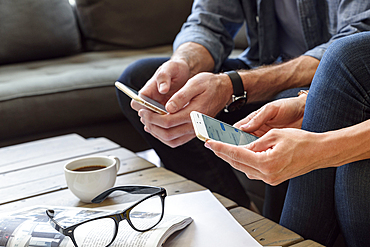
(143,100)
(209,128)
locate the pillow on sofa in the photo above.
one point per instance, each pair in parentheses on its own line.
(110,24)
(37,29)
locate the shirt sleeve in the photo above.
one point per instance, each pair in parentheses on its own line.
(352,17)
(212,24)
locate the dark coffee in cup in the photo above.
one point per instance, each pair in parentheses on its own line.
(89,176)
(88,168)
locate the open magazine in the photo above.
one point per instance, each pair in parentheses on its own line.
(31,227)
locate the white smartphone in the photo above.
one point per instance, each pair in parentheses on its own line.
(142,99)
(209,128)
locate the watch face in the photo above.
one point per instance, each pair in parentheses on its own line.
(237,104)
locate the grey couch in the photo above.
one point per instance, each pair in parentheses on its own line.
(59,62)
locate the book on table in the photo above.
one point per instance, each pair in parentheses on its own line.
(31,227)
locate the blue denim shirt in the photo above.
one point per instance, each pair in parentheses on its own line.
(214,23)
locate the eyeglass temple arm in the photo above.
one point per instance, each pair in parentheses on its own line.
(54,223)
(106,193)
(134,189)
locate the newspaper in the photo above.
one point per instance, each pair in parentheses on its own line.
(31,227)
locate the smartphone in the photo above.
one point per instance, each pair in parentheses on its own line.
(142,99)
(209,128)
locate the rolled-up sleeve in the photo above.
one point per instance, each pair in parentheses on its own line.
(352,17)
(212,24)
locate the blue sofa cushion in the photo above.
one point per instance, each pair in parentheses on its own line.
(37,29)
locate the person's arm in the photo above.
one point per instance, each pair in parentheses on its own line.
(212,24)
(282,154)
(345,145)
(265,82)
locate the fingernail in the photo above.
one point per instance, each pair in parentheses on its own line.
(245,126)
(172,107)
(162,87)
(207,145)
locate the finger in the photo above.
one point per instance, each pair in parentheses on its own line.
(136,106)
(163,79)
(150,89)
(262,116)
(262,144)
(261,131)
(169,72)
(174,142)
(251,172)
(180,141)
(254,165)
(182,97)
(164,127)
(168,135)
(234,153)
(167,121)
(246,120)
(158,85)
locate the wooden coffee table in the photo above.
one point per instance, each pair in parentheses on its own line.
(32,174)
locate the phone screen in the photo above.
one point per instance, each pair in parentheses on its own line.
(226,133)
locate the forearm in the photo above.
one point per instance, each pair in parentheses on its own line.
(196,57)
(344,146)
(265,82)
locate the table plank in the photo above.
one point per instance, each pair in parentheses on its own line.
(155,177)
(245,216)
(226,202)
(51,169)
(29,150)
(36,180)
(64,197)
(183,187)
(307,243)
(269,233)
(54,154)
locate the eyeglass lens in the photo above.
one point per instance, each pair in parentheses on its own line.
(98,232)
(147,213)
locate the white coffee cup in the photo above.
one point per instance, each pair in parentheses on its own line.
(86,185)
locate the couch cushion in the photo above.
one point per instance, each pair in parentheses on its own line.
(62,93)
(112,24)
(40,29)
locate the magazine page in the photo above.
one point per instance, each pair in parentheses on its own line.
(213,224)
(31,227)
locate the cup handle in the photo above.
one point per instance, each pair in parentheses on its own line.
(118,162)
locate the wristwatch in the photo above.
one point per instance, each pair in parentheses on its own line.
(239,98)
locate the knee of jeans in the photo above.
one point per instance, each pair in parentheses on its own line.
(350,47)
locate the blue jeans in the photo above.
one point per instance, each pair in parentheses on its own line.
(324,202)
(192,160)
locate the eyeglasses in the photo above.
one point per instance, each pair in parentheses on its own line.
(143,215)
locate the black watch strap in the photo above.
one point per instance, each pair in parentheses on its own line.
(237,82)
